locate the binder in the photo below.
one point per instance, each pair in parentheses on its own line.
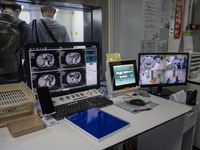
(97,124)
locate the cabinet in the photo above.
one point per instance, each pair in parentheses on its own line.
(190,87)
(189,126)
(165,137)
(177,134)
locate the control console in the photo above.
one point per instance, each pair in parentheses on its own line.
(64,99)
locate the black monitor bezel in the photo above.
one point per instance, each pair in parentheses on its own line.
(164,84)
(124,62)
(27,46)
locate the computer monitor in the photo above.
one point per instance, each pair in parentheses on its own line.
(121,76)
(162,69)
(63,67)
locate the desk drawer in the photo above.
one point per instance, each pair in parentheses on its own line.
(190,120)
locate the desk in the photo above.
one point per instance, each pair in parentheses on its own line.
(192,85)
(63,136)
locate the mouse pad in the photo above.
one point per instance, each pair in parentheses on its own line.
(135,109)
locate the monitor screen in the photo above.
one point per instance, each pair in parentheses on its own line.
(163,69)
(123,74)
(63,67)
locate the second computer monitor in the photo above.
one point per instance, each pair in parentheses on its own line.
(123,74)
(162,69)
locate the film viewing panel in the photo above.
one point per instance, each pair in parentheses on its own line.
(63,67)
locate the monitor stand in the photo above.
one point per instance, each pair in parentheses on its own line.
(160,91)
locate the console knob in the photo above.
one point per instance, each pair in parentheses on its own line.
(61,99)
(67,97)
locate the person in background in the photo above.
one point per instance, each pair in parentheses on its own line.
(14,33)
(48,29)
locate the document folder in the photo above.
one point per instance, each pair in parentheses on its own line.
(96,123)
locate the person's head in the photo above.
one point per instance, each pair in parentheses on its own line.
(48,11)
(10,6)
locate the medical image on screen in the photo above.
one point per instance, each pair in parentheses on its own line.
(73,78)
(63,67)
(124,74)
(49,79)
(71,59)
(163,69)
(44,60)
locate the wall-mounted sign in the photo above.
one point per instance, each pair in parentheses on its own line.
(178,19)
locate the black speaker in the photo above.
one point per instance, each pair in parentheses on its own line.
(191,97)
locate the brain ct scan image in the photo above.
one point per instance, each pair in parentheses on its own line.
(71,59)
(44,60)
(72,78)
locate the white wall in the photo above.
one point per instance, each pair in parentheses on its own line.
(25,15)
(173,44)
(128,28)
(77,28)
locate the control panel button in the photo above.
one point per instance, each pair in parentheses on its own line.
(61,99)
(67,97)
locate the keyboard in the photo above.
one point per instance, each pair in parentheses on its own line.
(80,105)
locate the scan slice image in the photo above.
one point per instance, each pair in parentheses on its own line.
(47,80)
(73,58)
(45,60)
(73,77)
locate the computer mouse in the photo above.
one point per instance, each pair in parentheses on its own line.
(137,102)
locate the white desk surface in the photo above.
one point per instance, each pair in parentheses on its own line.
(65,137)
